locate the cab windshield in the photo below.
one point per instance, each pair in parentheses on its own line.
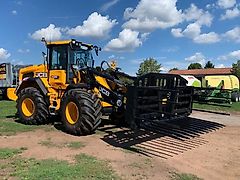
(80,57)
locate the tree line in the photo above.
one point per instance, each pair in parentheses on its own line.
(151,65)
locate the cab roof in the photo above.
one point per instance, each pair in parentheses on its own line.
(62,42)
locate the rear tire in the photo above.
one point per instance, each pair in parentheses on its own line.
(31,107)
(81,112)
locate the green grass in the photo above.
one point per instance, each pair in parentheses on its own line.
(235,107)
(183,176)
(72,145)
(48,143)
(9,127)
(86,167)
(6,153)
(7,109)
(75,145)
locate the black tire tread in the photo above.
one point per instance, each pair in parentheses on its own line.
(90,112)
(41,115)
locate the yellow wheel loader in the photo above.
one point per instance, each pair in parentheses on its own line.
(69,85)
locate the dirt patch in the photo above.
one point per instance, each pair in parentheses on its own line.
(209,148)
(128,165)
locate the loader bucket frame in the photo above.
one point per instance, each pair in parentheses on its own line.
(158,97)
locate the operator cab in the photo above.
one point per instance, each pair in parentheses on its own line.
(66,55)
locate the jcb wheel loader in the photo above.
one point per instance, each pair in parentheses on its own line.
(69,85)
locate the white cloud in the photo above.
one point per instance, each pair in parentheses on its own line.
(197,58)
(208,38)
(115,57)
(210,6)
(234,55)
(111,57)
(233,34)
(96,26)
(152,14)
(201,17)
(193,30)
(220,66)
(108,5)
(23,50)
(231,13)
(17,62)
(128,40)
(14,12)
(4,55)
(144,36)
(49,33)
(225,4)
(192,13)
(164,69)
(177,32)
(206,19)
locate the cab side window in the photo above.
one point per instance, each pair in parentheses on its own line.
(59,57)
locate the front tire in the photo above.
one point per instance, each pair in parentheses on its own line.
(31,107)
(81,112)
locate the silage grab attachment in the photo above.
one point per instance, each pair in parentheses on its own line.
(158,97)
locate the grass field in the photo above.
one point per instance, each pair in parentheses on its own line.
(85,167)
(235,107)
(10,127)
(7,109)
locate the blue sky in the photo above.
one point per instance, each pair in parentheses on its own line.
(174,32)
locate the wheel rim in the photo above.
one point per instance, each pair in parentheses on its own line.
(72,113)
(28,107)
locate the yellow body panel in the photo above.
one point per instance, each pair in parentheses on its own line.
(105,104)
(57,78)
(102,81)
(11,94)
(230,81)
(36,69)
(59,42)
(65,42)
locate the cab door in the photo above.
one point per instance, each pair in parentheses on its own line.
(58,63)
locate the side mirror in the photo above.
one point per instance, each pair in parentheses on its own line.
(97,49)
(44,55)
